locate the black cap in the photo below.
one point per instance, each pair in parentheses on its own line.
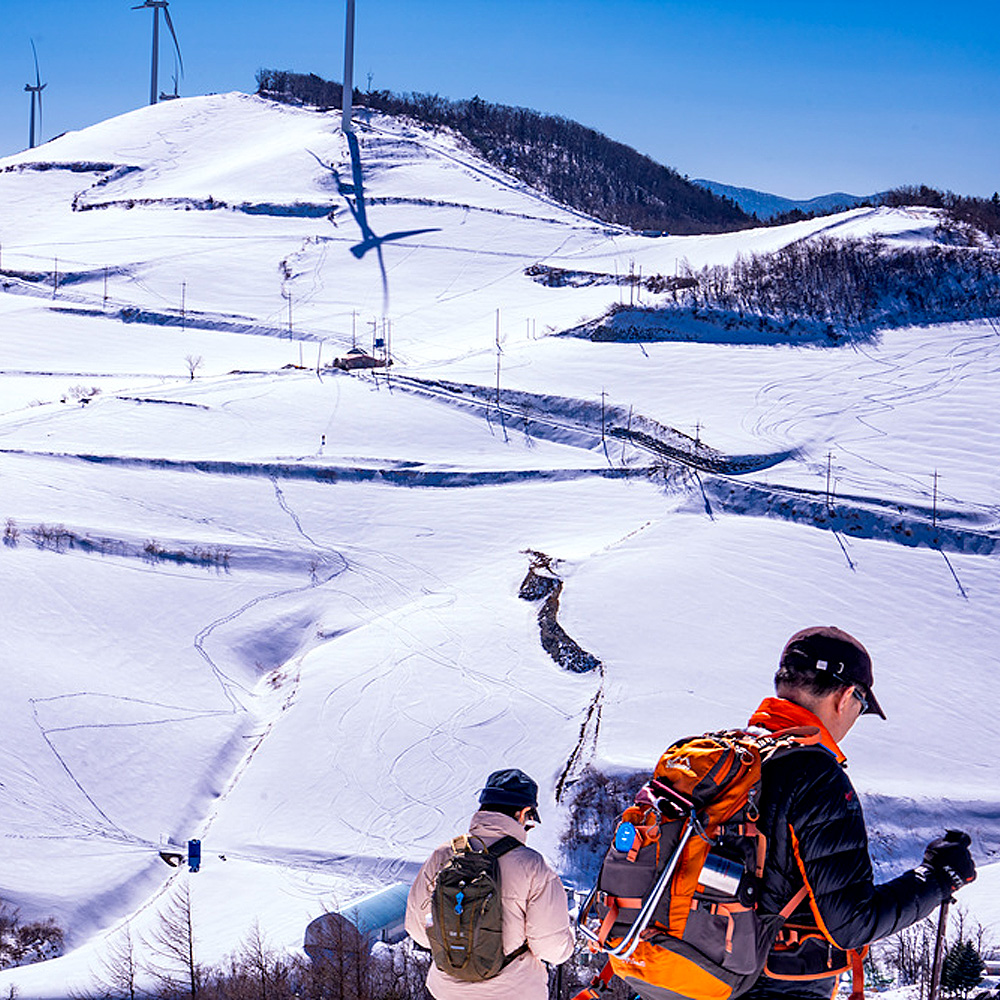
(832,651)
(511,787)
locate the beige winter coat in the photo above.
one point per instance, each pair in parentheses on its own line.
(534,910)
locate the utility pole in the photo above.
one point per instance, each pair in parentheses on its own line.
(499,352)
(289,314)
(829,460)
(354,328)
(934,502)
(55,276)
(604,396)
(183,304)
(628,430)
(105,302)
(348,97)
(388,350)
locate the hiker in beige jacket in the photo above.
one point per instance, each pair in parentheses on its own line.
(535,910)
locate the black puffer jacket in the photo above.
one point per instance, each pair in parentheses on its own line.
(816,836)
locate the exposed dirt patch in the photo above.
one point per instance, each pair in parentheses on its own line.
(543,584)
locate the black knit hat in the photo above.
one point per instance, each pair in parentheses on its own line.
(511,787)
(831,651)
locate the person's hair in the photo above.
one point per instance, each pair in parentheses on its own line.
(499,807)
(790,682)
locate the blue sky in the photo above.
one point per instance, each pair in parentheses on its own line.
(798,99)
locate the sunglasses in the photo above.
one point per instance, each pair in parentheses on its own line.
(862,697)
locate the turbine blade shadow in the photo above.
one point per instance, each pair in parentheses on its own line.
(360,249)
(353,193)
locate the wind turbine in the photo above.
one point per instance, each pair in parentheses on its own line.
(156,6)
(348,97)
(37,89)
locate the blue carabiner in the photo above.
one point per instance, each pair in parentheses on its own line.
(458,902)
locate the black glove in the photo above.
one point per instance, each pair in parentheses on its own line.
(949,860)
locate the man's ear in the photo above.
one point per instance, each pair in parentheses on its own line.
(844,699)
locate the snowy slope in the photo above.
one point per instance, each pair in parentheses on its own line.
(275,606)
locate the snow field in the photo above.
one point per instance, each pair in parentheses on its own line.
(254,635)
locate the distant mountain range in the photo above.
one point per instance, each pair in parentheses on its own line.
(766,206)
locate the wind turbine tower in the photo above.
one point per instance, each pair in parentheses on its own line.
(36,89)
(348,99)
(156,6)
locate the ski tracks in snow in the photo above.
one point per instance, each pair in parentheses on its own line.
(236,694)
(886,381)
(390,700)
(231,688)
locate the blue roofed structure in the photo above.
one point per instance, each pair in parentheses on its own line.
(378,917)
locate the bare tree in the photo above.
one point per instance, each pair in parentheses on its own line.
(340,966)
(260,973)
(907,957)
(194,362)
(24,943)
(118,975)
(175,967)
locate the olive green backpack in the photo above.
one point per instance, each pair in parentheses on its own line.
(466,931)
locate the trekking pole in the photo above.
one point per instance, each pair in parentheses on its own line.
(939,950)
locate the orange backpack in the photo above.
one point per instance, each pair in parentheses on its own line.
(675,902)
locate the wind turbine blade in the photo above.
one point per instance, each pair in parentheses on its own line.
(173,34)
(40,114)
(38,77)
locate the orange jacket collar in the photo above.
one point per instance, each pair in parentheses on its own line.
(779,713)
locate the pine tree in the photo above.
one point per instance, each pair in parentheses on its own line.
(963,969)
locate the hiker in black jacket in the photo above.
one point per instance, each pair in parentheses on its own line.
(815,829)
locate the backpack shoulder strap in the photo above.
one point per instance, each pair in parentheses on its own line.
(503,845)
(498,850)
(803,736)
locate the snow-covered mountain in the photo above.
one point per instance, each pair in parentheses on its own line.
(275,606)
(766,206)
